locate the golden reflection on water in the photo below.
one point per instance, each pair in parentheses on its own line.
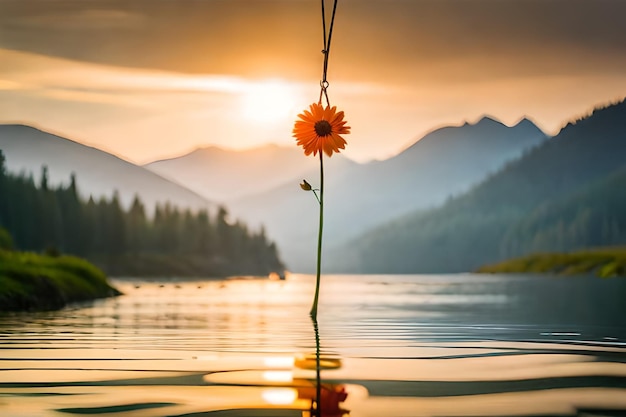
(402,346)
(280,396)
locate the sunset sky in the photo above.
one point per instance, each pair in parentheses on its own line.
(149,79)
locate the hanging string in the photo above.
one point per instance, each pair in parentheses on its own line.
(326,51)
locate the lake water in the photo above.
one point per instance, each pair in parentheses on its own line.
(411,345)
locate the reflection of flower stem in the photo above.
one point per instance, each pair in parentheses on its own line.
(320,199)
(318,379)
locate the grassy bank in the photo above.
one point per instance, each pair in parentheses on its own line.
(29,281)
(605,262)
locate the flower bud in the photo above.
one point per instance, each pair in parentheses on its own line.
(305,186)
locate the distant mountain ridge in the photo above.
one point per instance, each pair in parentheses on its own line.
(223,175)
(98,173)
(443,163)
(260,186)
(533,203)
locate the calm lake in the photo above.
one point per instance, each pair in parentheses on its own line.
(409,345)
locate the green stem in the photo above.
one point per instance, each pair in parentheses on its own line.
(319,240)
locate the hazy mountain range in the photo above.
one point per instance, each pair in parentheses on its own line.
(260,185)
(459,197)
(98,173)
(443,163)
(566,194)
(223,175)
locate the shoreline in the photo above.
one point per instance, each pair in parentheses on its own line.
(602,262)
(34,282)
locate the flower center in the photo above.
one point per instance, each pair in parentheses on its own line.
(323,128)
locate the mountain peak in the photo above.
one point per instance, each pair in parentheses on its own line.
(205,149)
(488,134)
(219,149)
(524,121)
(99,173)
(21,127)
(487,120)
(527,125)
(15,125)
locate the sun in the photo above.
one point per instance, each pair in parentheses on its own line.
(269,102)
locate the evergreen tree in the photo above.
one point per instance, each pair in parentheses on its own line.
(136,227)
(3,190)
(189,232)
(115,233)
(71,212)
(91,234)
(224,235)
(205,239)
(47,218)
(51,221)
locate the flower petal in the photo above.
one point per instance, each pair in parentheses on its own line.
(306,136)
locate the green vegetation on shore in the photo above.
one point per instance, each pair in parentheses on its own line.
(30,281)
(605,262)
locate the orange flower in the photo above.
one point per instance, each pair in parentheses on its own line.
(319,128)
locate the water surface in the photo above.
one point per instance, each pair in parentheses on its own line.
(411,345)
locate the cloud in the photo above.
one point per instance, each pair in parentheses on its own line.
(157,70)
(181,36)
(78,19)
(76,81)
(107,104)
(9,85)
(373,39)
(73,80)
